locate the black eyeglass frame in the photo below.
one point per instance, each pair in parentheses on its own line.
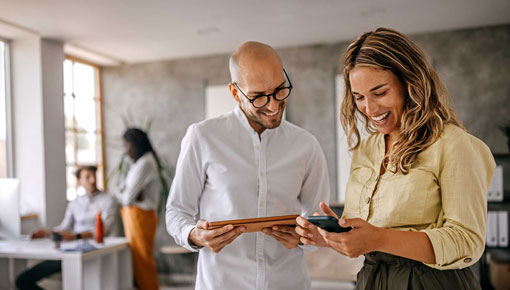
(269,95)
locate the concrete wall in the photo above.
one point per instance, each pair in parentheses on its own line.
(473,64)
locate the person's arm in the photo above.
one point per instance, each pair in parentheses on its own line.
(68,221)
(108,214)
(315,187)
(138,177)
(466,172)
(183,203)
(68,236)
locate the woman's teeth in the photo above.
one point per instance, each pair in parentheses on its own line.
(380,118)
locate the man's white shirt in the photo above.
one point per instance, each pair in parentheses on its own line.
(81,213)
(225,171)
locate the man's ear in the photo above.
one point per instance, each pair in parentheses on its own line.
(233,92)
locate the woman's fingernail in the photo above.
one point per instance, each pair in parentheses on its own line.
(342,221)
(313,243)
(310,235)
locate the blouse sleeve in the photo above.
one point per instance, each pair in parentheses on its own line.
(466,169)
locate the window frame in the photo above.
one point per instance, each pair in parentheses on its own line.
(101,162)
(8,110)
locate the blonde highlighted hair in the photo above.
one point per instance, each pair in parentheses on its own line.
(426,107)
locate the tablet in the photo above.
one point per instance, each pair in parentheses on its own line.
(257,224)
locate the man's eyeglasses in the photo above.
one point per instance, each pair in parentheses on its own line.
(261,100)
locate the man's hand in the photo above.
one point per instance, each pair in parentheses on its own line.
(39,234)
(216,239)
(309,232)
(284,234)
(67,236)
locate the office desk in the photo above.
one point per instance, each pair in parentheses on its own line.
(109,267)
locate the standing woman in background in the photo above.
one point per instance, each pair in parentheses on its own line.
(138,195)
(416,195)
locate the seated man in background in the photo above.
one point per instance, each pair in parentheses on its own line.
(78,223)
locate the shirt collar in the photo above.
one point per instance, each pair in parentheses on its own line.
(96,193)
(243,119)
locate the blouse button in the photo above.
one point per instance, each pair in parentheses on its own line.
(467,260)
(368,200)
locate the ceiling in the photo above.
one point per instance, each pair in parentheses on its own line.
(131,31)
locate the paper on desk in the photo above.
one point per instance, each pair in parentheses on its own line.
(77,246)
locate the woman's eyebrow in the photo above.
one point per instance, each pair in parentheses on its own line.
(373,89)
(378,87)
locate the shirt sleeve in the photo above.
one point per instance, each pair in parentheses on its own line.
(68,221)
(315,187)
(182,206)
(466,170)
(108,213)
(137,179)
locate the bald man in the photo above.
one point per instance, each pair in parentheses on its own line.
(248,163)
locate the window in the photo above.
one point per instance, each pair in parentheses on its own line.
(83,124)
(5,160)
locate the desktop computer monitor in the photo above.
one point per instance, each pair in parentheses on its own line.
(10,218)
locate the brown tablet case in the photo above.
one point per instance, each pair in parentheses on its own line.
(257,224)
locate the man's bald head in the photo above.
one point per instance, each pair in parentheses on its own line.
(251,55)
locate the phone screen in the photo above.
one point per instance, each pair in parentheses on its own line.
(328,223)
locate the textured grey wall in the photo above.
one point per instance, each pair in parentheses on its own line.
(473,64)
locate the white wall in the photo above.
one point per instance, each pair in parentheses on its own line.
(38,122)
(52,57)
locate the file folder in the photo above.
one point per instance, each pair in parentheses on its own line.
(503,229)
(492,229)
(495,192)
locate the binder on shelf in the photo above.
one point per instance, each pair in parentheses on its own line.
(495,192)
(503,229)
(492,229)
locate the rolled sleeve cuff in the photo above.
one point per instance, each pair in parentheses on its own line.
(185,238)
(441,252)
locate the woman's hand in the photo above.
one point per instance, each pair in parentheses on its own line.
(309,233)
(363,238)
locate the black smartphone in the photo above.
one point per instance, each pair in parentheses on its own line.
(328,223)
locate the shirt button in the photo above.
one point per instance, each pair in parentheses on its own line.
(262,174)
(260,261)
(368,200)
(262,204)
(467,260)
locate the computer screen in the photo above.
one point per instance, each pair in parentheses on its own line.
(10,219)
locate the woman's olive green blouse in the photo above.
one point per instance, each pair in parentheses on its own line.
(444,194)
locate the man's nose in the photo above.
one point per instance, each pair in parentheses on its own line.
(273,104)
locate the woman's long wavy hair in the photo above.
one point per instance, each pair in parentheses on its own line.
(426,107)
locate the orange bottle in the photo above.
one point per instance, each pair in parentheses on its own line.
(99,229)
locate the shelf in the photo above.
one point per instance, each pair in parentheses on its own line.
(501,155)
(500,255)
